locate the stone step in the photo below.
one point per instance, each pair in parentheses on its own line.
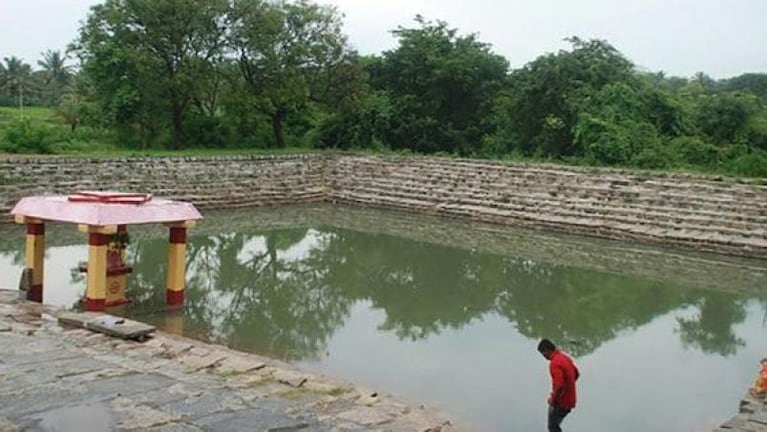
(589,205)
(479,166)
(671,200)
(557,176)
(539,212)
(506,217)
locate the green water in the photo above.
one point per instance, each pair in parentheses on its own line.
(449,314)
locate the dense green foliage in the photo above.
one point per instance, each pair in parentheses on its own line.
(440,89)
(172,74)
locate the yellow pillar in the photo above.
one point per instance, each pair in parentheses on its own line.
(176,278)
(35,257)
(117,271)
(96,278)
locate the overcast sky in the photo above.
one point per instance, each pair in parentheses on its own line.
(681,37)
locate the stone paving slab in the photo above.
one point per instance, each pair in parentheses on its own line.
(63,379)
(751,418)
(251,420)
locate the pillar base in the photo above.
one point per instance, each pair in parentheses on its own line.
(116,302)
(174,298)
(95,305)
(35,293)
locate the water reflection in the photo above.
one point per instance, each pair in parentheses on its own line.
(711,329)
(265,293)
(285,292)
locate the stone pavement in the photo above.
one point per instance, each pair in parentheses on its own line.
(752,417)
(57,379)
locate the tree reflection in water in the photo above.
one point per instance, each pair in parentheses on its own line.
(262,293)
(285,292)
(711,328)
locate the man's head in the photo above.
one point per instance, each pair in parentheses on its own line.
(546,348)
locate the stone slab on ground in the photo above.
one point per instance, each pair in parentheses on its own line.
(77,319)
(238,365)
(65,379)
(107,324)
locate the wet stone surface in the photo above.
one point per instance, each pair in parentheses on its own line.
(54,378)
(751,418)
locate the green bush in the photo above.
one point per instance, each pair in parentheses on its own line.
(89,134)
(340,132)
(22,136)
(694,151)
(750,164)
(656,154)
(360,129)
(619,143)
(205,132)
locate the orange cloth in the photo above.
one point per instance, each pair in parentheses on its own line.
(759,388)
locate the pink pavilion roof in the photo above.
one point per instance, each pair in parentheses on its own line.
(106,208)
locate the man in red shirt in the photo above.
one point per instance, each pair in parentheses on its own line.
(563,377)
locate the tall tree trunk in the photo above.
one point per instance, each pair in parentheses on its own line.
(277,118)
(178,128)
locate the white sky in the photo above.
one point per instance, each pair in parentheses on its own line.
(681,37)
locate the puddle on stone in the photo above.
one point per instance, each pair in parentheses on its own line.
(93,416)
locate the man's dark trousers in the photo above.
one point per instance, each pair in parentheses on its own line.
(556,415)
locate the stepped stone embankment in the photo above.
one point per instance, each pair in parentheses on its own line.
(209,182)
(706,213)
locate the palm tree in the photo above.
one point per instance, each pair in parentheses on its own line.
(57,74)
(15,78)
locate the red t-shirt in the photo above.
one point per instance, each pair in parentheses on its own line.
(563,374)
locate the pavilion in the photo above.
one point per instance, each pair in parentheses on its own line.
(104,216)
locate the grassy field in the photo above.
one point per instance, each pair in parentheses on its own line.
(40,130)
(37,115)
(94,143)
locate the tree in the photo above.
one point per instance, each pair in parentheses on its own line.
(56,74)
(152,54)
(546,95)
(441,86)
(70,109)
(724,117)
(287,54)
(16,78)
(625,119)
(755,83)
